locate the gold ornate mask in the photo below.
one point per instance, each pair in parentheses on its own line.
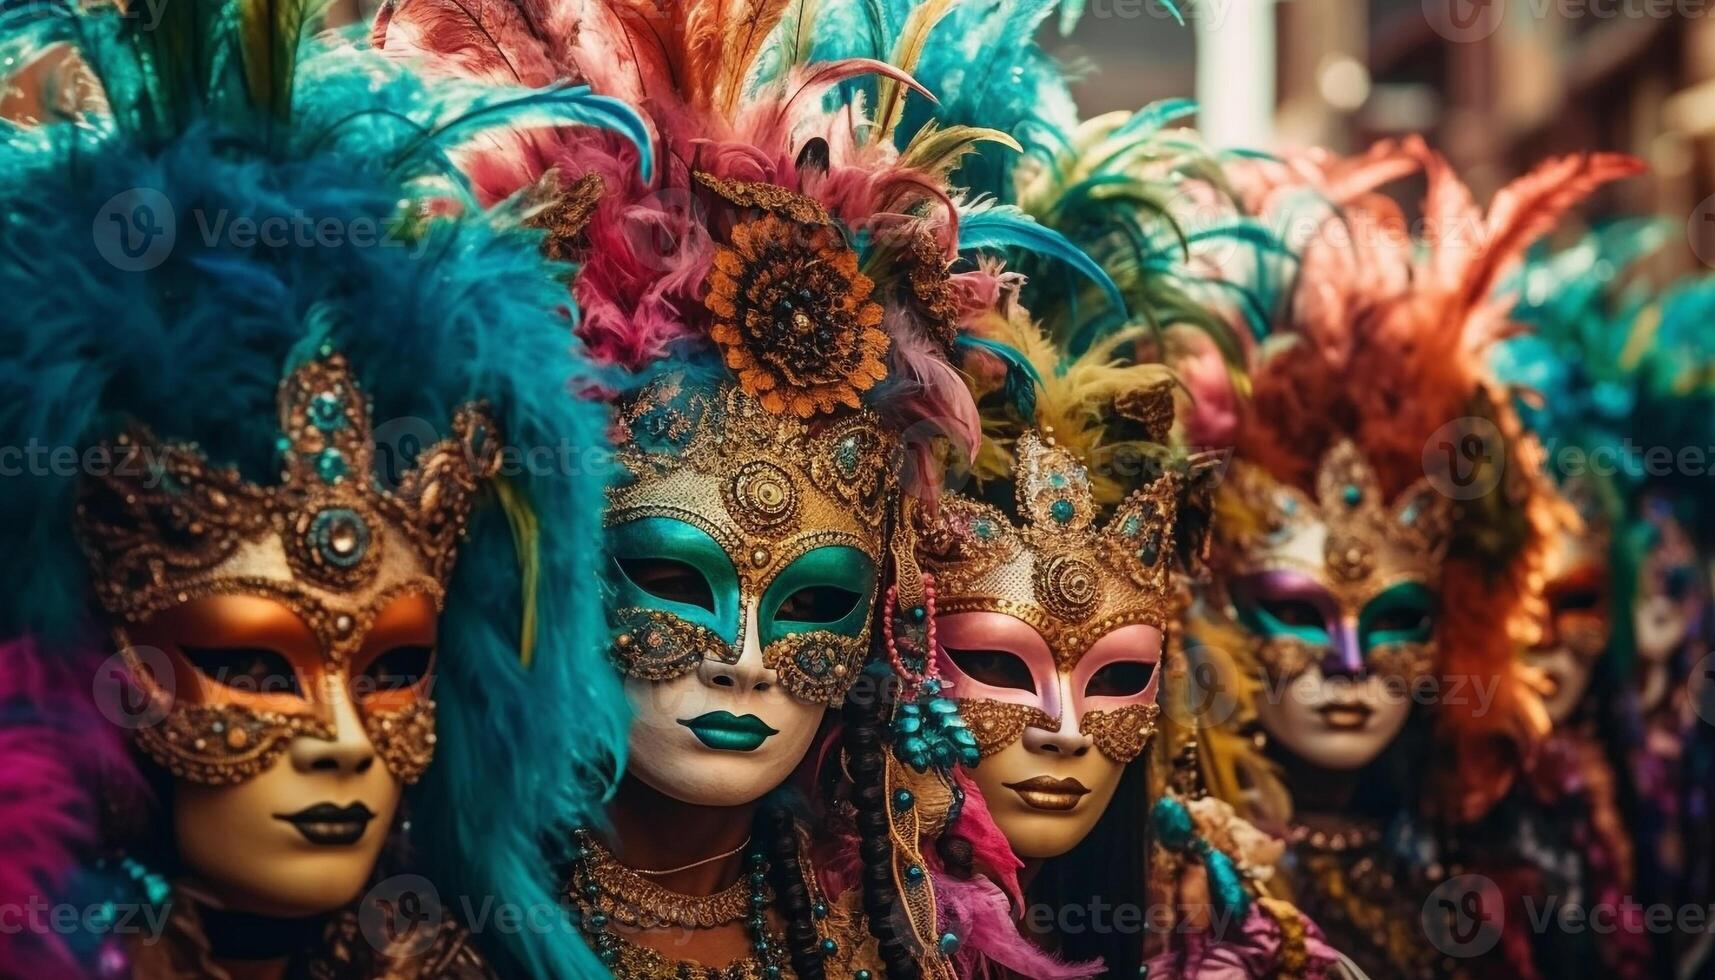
(1068,580)
(165,530)
(730,508)
(1343,580)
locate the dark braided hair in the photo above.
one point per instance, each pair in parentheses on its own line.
(866,710)
(779,827)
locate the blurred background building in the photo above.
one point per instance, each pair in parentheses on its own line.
(1494,84)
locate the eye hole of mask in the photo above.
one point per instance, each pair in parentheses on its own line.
(667,579)
(256,670)
(1121,679)
(1401,619)
(818,604)
(399,668)
(1577,600)
(1679,582)
(1294,612)
(996,668)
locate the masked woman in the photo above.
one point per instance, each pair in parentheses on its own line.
(779,309)
(1373,570)
(288,370)
(1088,367)
(1608,376)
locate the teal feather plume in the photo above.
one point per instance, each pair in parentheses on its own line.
(278,126)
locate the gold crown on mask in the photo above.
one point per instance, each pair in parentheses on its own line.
(1071,579)
(1349,535)
(767,487)
(163,526)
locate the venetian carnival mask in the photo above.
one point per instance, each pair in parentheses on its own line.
(1338,593)
(285,634)
(1050,638)
(1669,594)
(746,547)
(1576,630)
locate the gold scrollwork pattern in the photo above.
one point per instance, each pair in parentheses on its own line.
(997,724)
(1410,662)
(817,666)
(1122,734)
(218,745)
(653,645)
(405,739)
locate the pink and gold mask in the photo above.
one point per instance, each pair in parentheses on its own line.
(1057,624)
(268,606)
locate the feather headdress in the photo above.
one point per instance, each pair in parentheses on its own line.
(1383,339)
(255,196)
(746,120)
(1612,372)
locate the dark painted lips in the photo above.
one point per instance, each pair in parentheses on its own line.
(330,825)
(727,732)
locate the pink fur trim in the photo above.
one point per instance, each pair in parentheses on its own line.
(977,911)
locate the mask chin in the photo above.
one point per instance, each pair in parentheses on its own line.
(1568,678)
(719,736)
(237,844)
(1337,725)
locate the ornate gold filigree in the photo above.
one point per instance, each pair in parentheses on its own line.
(1122,733)
(997,724)
(1073,581)
(817,665)
(768,489)
(166,527)
(564,212)
(1349,537)
(631,899)
(405,739)
(653,645)
(217,745)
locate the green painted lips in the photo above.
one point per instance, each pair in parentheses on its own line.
(727,732)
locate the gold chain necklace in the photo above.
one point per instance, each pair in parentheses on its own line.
(630,899)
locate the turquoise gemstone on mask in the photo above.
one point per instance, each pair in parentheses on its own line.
(327,412)
(331,465)
(902,799)
(1133,524)
(846,455)
(914,873)
(948,943)
(1062,511)
(1353,495)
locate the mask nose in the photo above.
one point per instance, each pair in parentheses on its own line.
(349,752)
(1344,657)
(1068,742)
(748,674)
